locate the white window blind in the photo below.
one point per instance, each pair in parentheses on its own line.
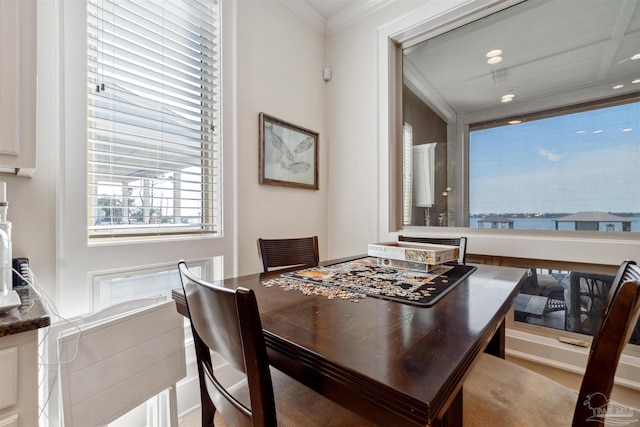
(153,117)
(407,173)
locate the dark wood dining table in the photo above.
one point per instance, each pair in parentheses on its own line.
(393,363)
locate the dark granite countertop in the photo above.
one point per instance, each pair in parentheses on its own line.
(31,315)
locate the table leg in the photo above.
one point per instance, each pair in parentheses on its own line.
(453,416)
(497,343)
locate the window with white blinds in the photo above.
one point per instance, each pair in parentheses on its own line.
(154,160)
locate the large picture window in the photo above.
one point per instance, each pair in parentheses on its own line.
(566,172)
(153,118)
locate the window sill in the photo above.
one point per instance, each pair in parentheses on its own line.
(548,351)
(166,237)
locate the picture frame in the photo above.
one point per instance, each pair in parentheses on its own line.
(288,154)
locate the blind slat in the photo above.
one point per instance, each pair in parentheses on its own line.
(114,147)
(104,114)
(149,88)
(196,61)
(173,32)
(166,16)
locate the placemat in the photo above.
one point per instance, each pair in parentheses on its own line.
(364,276)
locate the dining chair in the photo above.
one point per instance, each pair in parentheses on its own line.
(300,252)
(546,285)
(227,322)
(461,242)
(500,393)
(586,295)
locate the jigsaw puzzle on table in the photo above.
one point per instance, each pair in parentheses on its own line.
(365,276)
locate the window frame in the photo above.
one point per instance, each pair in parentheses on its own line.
(422,24)
(65,106)
(208,269)
(211,182)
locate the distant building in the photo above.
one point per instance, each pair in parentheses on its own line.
(495,221)
(590,221)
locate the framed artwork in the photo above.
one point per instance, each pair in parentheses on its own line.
(288,154)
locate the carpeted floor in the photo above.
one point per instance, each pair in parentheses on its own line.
(192,419)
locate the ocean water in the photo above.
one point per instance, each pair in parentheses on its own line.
(549,224)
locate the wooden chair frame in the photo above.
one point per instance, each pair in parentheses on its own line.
(617,322)
(227,321)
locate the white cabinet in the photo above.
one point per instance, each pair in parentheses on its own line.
(9,375)
(18,67)
(19,373)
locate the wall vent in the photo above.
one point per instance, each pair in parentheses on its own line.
(500,75)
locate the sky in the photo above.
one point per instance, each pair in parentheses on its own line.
(587,161)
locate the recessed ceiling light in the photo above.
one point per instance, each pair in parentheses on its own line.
(618,86)
(581,131)
(506,100)
(598,131)
(636,56)
(636,81)
(514,122)
(494,60)
(627,130)
(495,52)
(509,96)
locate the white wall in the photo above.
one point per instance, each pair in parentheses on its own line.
(32,200)
(279,72)
(352,127)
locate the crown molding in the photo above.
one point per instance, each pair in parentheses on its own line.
(337,22)
(353,14)
(309,14)
(427,93)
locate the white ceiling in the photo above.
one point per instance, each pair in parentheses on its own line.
(550,48)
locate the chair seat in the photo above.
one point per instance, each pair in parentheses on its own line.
(298,405)
(500,393)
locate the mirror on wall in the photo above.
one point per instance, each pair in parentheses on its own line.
(531,116)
